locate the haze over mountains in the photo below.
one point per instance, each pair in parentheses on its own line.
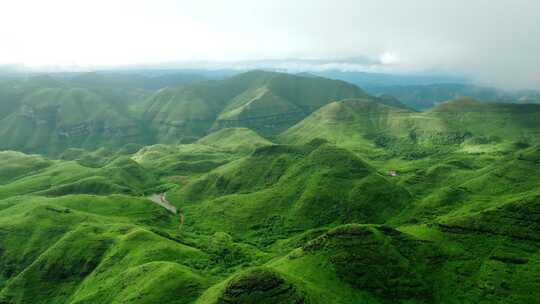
(91,110)
(269,151)
(281,188)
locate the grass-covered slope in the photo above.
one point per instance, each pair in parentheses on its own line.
(16,164)
(267,228)
(367,202)
(182,161)
(490,121)
(257,285)
(371,128)
(280,189)
(56,178)
(351,123)
(263,101)
(52,119)
(188,160)
(240,140)
(364,264)
(87,249)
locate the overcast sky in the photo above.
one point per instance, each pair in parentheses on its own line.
(494,41)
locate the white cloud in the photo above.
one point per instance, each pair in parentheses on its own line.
(389,58)
(496,41)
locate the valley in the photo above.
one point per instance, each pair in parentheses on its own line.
(263,187)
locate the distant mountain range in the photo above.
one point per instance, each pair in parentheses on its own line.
(277,188)
(422,97)
(49,113)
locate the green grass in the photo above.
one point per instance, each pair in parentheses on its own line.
(74,242)
(280,190)
(239,140)
(315,218)
(49,120)
(121,175)
(375,130)
(16,165)
(265,102)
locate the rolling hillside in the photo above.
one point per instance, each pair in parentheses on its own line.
(263,101)
(367,127)
(423,97)
(292,189)
(280,189)
(52,119)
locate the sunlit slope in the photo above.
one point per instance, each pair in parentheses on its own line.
(263,101)
(85,249)
(257,285)
(460,186)
(280,189)
(16,164)
(347,264)
(49,178)
(182,160)
(240,140)
(490,122)
(180,163)
(352,124)
(364,264)
(379,264)
(368,127)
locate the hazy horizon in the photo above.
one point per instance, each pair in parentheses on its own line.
(492,42)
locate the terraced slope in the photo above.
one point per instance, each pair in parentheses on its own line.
(268,227)
(83,249)
(240,140)
(51,120)
(371,128)
(265,102)
(367,202)
(281,189)
(58,178)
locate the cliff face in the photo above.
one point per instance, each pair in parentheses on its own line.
(263,101)
(62,116)
(54,119)
(265,125)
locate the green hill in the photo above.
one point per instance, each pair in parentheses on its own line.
(423,97)
(16,165)
(13,91)
(183,162)
(282,195)
(51,120)
(364,264)
(493,121)
(82,249)
(351,123)
(265,102)
(281,189)
(56,178)
(235,139)
(180,162)
(372,128)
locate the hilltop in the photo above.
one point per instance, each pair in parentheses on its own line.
(50,120)
(286,189)
(280,188)
(373,128)
(46,114)
(235,139)
(266,102)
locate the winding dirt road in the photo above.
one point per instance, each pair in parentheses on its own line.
(160,199)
